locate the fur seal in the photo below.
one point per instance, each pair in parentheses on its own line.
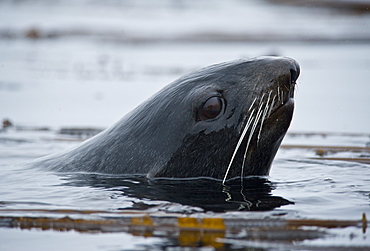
(222,121)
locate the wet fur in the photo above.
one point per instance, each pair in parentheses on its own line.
(163,137)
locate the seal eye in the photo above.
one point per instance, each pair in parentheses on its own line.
(211,108)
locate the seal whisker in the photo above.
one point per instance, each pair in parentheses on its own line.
(261,101)
(282,97)
(252,104)
(241,138)
(256,120)
(271,106)
(264,116)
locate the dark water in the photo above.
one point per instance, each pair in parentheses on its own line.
(87,63)
(251,194)
(110,212)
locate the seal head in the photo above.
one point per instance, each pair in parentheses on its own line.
(222,121)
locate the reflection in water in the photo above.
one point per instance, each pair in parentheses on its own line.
(252,193)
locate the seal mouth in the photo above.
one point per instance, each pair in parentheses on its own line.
(284,97)
(284,92)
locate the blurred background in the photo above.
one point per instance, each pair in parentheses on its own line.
(88,62)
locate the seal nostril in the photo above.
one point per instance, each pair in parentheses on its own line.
(294,72)
(293,75)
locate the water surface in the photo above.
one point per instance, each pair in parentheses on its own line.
(88,70)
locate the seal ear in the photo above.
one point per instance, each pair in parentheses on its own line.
(211,108)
